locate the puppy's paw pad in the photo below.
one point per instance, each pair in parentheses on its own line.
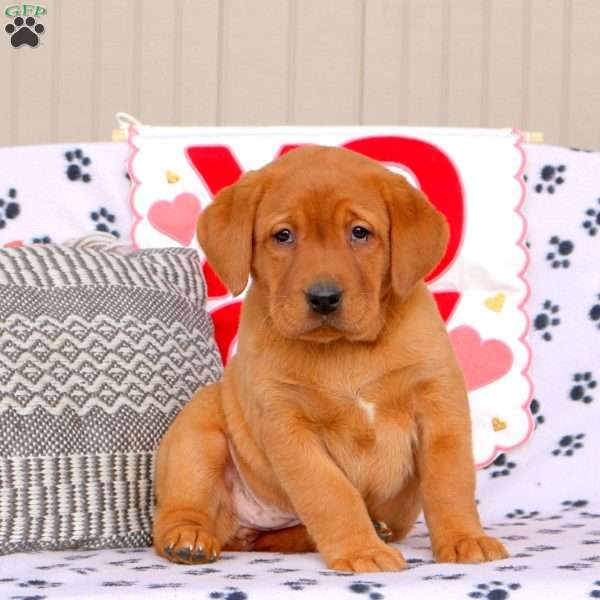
(471,550)
(188,544)
(370,560)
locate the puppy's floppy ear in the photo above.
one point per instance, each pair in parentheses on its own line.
(225,231)
(418,234)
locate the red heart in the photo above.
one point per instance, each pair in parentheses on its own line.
(481,362)
(214,286)
(226,320)
(176,219)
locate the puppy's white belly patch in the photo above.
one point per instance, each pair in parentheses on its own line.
(368,407)
(250,510)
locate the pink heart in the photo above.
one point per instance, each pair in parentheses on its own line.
(481,362)
(176,219)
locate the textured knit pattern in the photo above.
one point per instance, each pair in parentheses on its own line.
(99,350)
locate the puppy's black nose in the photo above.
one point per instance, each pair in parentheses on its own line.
(324,297)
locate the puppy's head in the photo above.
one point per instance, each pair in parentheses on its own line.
(327,236)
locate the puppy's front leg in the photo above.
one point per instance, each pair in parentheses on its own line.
(448,475)
(327,503)
(191,522)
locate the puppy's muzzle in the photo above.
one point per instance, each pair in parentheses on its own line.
(324,297)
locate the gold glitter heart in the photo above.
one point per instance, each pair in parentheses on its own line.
(496,303)
(499,424)
(172,177)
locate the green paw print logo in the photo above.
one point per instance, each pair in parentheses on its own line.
(24,29)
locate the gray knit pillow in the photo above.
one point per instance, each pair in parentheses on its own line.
(99,350)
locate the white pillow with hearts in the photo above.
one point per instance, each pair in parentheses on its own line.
(473,176)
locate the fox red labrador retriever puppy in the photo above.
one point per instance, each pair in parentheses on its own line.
(344,404)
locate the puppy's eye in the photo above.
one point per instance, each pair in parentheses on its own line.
(284,236)
(360,234)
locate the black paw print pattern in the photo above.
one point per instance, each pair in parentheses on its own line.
(547,319)
(568,444)
(104,221)
(369,588)
(595,593)
(535,409)
(581,391)
(24,31)
(592,221)
(501,467)
(595,313)
(574,504)
(300,584)
(559,250)
(521,514)
(40,584)
(494,590)
(229,593)
(551,176)
(43,239)
(442,577)
(9,209)
(77,160)
(117,583)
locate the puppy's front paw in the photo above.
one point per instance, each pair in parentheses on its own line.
(369,560)
(188,544)
(472,549)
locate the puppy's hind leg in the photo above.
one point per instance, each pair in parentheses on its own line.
(392,521)
(289,540)
(192,519)
(400,512)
